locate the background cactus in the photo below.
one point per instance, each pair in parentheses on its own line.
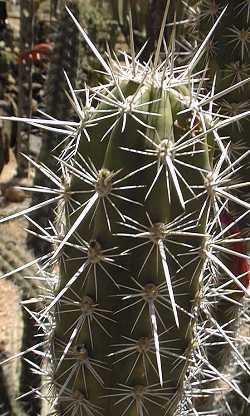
(140,243)
(102,29)
(147,19)
(16,375)
(10,344)
(227,57)
(64,58)
(25,82)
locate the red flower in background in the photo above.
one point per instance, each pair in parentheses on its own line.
(38,52)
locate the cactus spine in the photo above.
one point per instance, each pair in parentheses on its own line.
(228,59)
(64,58)
(147,18)
(138,241)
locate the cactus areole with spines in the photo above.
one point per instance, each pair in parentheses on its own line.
(137,237)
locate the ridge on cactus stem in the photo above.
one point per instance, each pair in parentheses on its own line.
(142,241)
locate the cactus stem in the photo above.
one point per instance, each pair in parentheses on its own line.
(144,347)
(24,266)
(224,336)
(89,312)
(240,37)
(139,396)
(77,404)
(88,206)
(22,353)
(126,107)
(94,257)
(166,154)
(202,48)
(161,34)
(244,4)
(152,292)
(90,43)
(230,109)
(83,362)
(217,184)
(150,295)
(221,376)
(158,235)
(210,11)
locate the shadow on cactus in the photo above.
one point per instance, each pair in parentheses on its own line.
(138,241)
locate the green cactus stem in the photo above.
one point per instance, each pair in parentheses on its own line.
(142,273)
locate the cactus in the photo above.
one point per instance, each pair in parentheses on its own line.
(102,30)
(16,378)
(227,62)
(147,17)
(234,403)
(64,58)
(10,343)
(25,83)
(139,241)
